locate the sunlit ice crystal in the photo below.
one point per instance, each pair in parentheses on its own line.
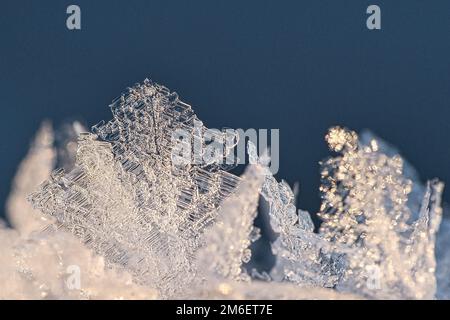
(228,241)
(379,226)
(126,199)
(36,264)
(366,209)
(302,256)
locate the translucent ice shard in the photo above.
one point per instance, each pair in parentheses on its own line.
(302,256)
(259,290)
(127,198)
(37,265)
(366,209)
(228,241)
(34,169)
(443,258)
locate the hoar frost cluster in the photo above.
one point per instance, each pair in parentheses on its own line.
(138,226)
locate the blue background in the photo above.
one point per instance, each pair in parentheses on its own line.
(300,66)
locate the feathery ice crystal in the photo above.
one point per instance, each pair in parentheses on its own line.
(153,229)
(388,235)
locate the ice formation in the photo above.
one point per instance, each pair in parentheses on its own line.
(234,222)
(36,264)
(388,234)
(302,256)
(152,225)
(128,201)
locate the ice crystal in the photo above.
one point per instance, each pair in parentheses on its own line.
(34,264)
(390,248)
(235,223)
(154,224)
(128,200)
(302,256)
(35,168)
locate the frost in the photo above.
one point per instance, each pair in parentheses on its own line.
(390,248)
(35,264)
(35,168)
(127,199)
(303,257)
(140,221)
(377,239)
(235,222)
(443,260)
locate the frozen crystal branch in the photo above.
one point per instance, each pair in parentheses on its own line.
(235,223)
(34,169)
(128,200)
(302,256)
(365,209)
(35,264)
